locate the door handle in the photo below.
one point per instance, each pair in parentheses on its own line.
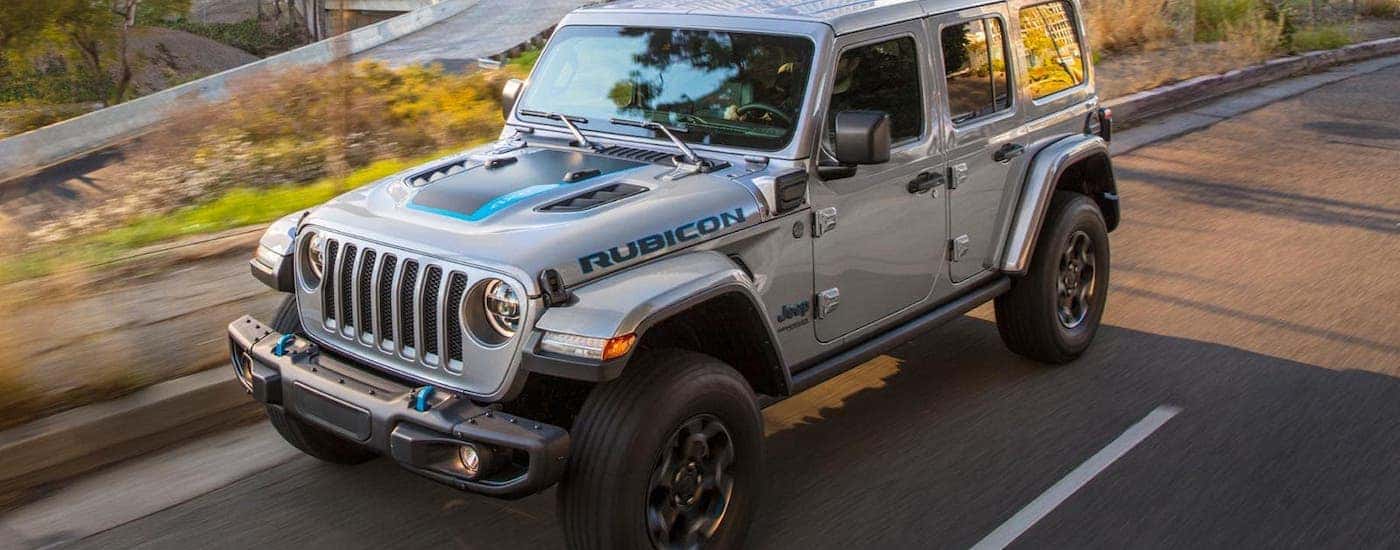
(924,181)
(1008,152)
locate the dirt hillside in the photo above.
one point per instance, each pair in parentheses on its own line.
(166,57)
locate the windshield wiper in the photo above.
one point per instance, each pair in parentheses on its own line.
(669,131)
(568,121)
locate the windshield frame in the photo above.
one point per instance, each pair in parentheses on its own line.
(815,35)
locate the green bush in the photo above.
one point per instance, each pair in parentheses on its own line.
(1214,18)
(249,35)
(50,80)
(1321,38)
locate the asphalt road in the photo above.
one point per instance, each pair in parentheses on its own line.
(1254,288)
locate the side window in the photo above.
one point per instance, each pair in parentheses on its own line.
(974,64)
(880,77)
(1054,58)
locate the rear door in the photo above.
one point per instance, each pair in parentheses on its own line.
(981,114)
(884,250)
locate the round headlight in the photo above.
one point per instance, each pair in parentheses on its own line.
(311,259)
(315,255)
(502,307)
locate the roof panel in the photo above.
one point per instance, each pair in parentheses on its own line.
(827,11)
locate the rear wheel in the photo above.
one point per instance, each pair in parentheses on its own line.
(1052,313)
(667,456)
(309,439)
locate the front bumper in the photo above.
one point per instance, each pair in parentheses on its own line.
(379,413)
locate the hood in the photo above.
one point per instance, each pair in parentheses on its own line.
(535,208)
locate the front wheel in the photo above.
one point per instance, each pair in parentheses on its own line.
(1052,313)
(667,456)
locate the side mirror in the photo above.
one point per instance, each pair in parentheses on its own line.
(862,137)
(510,93)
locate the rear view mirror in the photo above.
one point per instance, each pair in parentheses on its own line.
(510,93)
(862,137)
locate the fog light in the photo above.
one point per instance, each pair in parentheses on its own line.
(471,460)
(242,366)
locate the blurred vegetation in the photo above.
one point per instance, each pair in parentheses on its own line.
(1248,30)
(312,124)
(1325,37)
(1215,19)
(244,206)
(1378,8)
(274,148)
(1120,25)
(235,208)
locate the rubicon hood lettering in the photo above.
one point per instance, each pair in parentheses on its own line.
(657,242)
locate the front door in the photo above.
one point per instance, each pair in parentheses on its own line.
(981,119)
(884,250)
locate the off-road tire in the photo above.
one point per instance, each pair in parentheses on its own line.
(1028,316)
(626,426)
(309,439)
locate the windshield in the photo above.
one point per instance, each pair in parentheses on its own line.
(724,88)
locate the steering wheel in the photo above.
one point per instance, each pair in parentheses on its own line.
(765,108)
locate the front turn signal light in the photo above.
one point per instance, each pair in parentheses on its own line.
(618,346)
(598,349)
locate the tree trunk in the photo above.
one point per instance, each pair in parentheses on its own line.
(124,75)
(90,51)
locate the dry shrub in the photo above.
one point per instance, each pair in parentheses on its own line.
(1116,25)
(1378,8)
(1254,38)
(309,124)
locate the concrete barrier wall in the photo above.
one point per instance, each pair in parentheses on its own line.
(30,151)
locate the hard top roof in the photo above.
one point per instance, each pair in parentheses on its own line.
(841,15)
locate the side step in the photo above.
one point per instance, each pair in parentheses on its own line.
(880,343)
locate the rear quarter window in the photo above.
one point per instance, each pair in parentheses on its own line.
(1053,55)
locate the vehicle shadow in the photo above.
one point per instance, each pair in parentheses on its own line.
(1313,209)
(934,445)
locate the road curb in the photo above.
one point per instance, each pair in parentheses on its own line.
(1176,97)
(80,440)
(74,442)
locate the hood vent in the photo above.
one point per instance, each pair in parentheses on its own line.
(437,172)
(594,198)
(632,153)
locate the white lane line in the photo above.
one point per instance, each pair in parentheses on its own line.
(1058,493)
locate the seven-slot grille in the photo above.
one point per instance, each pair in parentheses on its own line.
(377,298)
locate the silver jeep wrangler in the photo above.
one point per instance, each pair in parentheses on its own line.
(696,209)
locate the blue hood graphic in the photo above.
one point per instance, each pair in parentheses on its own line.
(480,191)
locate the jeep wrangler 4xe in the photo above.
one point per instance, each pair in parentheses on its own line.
(695,209)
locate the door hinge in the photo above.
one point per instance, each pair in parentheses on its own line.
(827,300)
(958,247)
(823,221)
(957,174)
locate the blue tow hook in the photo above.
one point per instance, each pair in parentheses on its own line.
(421,397)
(281,348)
